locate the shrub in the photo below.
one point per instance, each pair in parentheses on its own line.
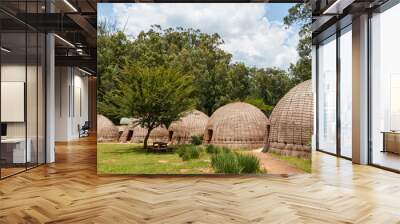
(248,163)
(225,163)
(211,149)
(197,140)
(188,152)
(223,160)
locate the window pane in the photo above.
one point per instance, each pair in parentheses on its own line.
(346,93)
(13,86)
(385,86)
(327,95)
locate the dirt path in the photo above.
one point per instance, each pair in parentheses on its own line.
(274,165)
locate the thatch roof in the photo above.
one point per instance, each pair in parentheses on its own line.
(136,134)
(192,124)
(237,125)
(292,122)
(157,134)
(106,130)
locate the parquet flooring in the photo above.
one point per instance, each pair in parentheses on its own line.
(69,191)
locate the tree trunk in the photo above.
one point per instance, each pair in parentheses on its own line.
(146,138)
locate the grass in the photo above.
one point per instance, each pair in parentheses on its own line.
(188,152)
(224,160)
(248,163)
(225,163)
(132,159)
(303,164)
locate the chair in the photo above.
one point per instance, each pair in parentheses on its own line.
(84,130)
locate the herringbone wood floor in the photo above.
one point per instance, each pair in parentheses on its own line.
(69,191)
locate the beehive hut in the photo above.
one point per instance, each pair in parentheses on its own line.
(292,123)
(106,130)
(134,133)
(138,134)
(237,125)
(125,128)
(192,124)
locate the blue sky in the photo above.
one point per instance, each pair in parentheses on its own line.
(253,33)
(276,10)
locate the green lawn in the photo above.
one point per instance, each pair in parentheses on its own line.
(132,159)
(304,164)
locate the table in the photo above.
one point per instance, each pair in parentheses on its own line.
(13,150)
(391,141)
(160,146)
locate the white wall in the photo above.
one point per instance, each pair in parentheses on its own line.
(71,102)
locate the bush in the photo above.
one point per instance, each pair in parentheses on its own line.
(188,152)
(197,140)
(225,163)
(223,160)
(211,149)
(248,163)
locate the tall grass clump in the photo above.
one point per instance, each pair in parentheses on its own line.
(212,149)
(225,163)
(188,152)
(196,140)
(223,160)
(248,163)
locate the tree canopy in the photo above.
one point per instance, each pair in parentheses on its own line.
(214,79)
(155,96)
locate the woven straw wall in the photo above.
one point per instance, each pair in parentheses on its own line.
(106,130)
(237,125)
(192,124)
(139,133)
(292,122)
(157,134)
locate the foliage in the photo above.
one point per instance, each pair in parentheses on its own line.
(223,160)
(155,96)
(113,52)
(188,152)
(271,85)
(215,79)
(225,163)
(196,140)
(211,149)
(248,163)
(300,14)
(239,82)
(191,52)
(259,103)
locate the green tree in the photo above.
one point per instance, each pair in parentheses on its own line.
(239,82)
(155,96)
(270,84)
(112,54)
(300,15)
(191,52)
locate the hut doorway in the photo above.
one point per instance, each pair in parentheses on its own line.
(170,134)
(209,135)
(119,135)
(130,134)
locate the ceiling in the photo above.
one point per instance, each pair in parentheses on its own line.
(73,21)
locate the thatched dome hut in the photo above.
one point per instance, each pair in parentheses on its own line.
(292,122)
(237,125)
(106,130)
(157,134)
(136,134)
(192,124)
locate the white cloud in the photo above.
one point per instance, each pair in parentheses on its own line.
(249,36)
